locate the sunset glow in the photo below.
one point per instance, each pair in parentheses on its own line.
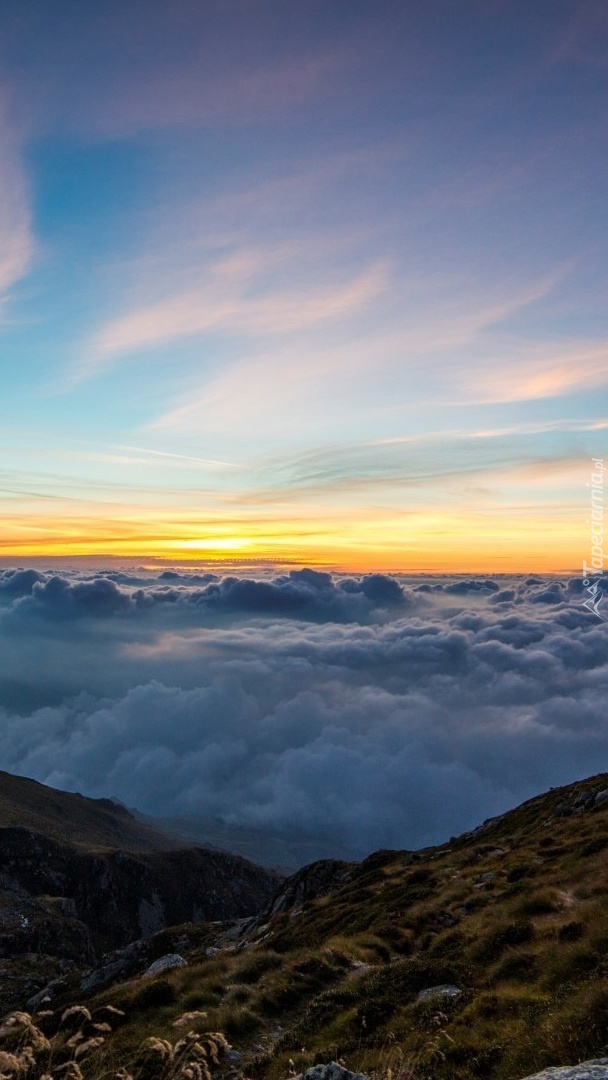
(307,283)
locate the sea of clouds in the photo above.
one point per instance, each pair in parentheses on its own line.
(363,712)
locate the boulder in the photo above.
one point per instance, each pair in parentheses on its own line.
(45,995)
(587,1070)
(445,991)
(102,976)
(164,963)
(332,1071)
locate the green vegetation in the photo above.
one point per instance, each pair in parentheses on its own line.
(514,915)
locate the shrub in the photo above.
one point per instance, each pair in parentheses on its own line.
(571,931)
(566,963)
(516,965)
(540,903)
(512,933)
(516,873)
(594,846)
(238,1023)
(256,965)
(154,994)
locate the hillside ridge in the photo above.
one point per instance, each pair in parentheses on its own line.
(75,819)
(483,957)
(81,876)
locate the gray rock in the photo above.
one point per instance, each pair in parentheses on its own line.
(445,991)
(601,798)
(164,963)
(584,799)
(128,952)
(587,1070)
(151,915)
(34,1003)
(333,1071)
(102,976)
(211,951)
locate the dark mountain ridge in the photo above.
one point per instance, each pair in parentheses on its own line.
(71,818)
(81,876)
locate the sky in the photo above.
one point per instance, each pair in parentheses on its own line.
(350,712)
(312,283)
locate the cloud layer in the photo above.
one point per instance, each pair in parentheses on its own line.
(363,712)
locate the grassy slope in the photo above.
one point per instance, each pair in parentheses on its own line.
(528,946)
(93,824)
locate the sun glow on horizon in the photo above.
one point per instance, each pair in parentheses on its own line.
(414,542)
(259,298)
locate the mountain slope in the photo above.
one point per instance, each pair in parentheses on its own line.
(92,824)
(484,957)
(81,876)
(265,848)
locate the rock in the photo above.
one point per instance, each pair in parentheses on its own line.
(316,879)
(103,976)
(445,991)
(97,900)
(164,963)
(128,952)
(211,951)
(584,799)
(235,932)
(601,798)
(333,1071)
(587,1070)
(51,988)
(485,878)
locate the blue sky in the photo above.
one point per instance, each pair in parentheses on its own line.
(318,281)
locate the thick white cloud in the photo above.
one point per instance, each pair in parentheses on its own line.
(361,711)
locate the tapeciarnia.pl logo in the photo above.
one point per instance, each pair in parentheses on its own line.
(593,574)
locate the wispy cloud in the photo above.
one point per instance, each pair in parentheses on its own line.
(187,458)
(541,373)
(231,301)
(410,343)
(16,240)
(193,95)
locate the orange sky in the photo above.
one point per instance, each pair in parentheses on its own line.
(381,539)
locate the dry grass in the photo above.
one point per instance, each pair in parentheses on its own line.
(516,917)
(75,1044)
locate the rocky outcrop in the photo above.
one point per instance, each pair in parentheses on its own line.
(433,992)
(317,879)
(64,904)
(119,896)
(332,1071)
(587,1070)
(164,963)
